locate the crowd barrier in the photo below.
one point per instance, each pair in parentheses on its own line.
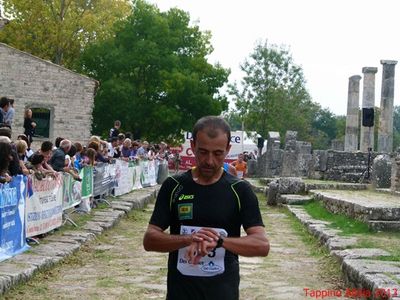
(30,207)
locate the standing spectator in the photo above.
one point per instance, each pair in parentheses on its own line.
(29,125)
(115,130)
(4,106)
(9,116)
(20,147)
(240,166)
(177,161)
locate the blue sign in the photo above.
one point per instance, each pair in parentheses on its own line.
(12,220)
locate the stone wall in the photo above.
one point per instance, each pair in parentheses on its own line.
(34,82)
(343,166)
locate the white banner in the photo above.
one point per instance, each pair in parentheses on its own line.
(124,177)
(44,206)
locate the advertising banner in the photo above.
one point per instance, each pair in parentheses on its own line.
(44,206)
(103,179)
(86,174)
(12,222)
(72,191)
(124,177)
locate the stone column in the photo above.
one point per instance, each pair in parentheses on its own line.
(368,101)
(385,132)
(353,111)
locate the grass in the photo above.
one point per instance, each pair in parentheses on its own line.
(366,238)
(347,225)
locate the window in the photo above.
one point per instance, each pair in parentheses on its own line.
(41,116)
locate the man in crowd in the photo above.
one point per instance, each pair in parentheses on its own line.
(205,208)
(57,160)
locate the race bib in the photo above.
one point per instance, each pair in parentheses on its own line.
(209,265)
(239,174)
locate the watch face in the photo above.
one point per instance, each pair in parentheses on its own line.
(222,234)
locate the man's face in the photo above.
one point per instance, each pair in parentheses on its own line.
(210,152)
(240,157)
(5,108)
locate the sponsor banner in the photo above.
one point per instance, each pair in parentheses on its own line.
(86,174)
(12,221)
(240,142)
(72,191)
(124,177)
(103,179)
(137,177)
(148,175)
(44,206)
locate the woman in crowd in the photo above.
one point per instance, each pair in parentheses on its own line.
(29,125)
(20,147)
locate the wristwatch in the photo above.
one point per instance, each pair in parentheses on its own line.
(220,242)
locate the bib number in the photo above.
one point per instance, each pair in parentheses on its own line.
(209,265)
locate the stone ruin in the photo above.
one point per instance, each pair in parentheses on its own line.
(353,160)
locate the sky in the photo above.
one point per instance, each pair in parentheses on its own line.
(330,40)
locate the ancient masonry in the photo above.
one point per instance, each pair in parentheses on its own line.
(65,96)
(352,119)
(368,101)
(385,133)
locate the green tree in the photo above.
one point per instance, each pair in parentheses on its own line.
(154,74)
(272,94)
(58,30)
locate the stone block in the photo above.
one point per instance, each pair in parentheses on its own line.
(382,171)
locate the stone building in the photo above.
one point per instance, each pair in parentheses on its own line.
(61,100)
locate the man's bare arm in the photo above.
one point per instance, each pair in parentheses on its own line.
(255,243)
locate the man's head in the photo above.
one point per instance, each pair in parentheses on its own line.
(4,103)
(114,141)
(117,124)
(240,157)
(5,131)
(65,145)
(46,149)
(210,145)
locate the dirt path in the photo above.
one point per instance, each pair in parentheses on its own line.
(116,267)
